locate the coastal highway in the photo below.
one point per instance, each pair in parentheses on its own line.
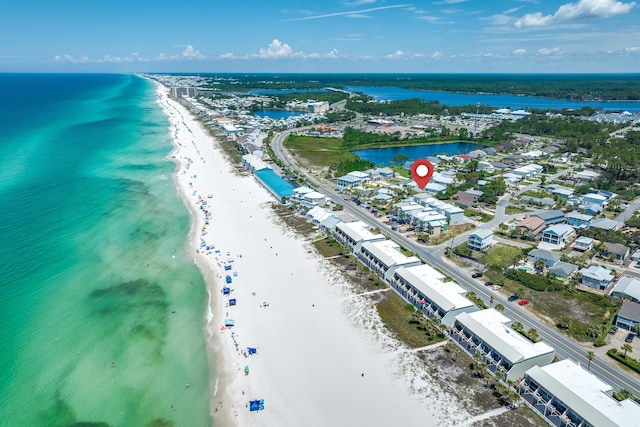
(564,346)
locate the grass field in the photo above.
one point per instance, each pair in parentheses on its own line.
(318,152)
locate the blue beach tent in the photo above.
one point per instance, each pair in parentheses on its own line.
(232,301)
(228,279)
(226,291)
(256,405)
(252,350)
(229,322)
(227,267)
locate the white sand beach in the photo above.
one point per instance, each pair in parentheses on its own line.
(323,356)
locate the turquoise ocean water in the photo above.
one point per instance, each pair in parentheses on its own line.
(101,307)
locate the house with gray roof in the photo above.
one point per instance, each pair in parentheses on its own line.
(551,216)
(549,258)
(616,250)
(579,220)
(583,244)
(557,234)
(596,277)
(628,316)
(604,224)
(480,240)
(563,269)
(627,288)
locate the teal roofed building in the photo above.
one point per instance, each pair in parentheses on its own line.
(277,186)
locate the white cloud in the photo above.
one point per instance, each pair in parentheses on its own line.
(276,49)
(545,51)
(227,55)
(396,54)
(519,51)
(635,49)
(356,13)
(436,55)
(581,9)
(191,53)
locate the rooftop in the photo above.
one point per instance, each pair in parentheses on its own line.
(358,231)
(447,295)
(493,328)
(388,253)
(630,310)
(585,394)
(628,286)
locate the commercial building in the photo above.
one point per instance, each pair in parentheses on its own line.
(489,333)
(568,395)
(426,288)
(384,257)
(354,234)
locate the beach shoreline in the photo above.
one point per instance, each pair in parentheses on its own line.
(323,357)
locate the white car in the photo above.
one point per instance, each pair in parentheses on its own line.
(496,287)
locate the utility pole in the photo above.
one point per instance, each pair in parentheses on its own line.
(475,126)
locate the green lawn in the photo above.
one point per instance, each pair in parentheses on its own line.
(502,256)
(511,210)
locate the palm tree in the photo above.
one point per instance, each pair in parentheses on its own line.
(590,355)
(499,307)
(491,299)
(626,347)
(564,323)
(521,293)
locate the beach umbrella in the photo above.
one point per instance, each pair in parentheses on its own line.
(246,369)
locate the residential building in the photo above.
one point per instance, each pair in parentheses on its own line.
(629,316)
(616,250)
(550,258)
(305,196)
(557,234)
(567,395)
(349,181)
(426,288)
(564,192)
(596,277)
(584,176)
(489,333)
(354,234)
(527,171)
(604,224)
(384,257)
(550,217)
(583,243)
(627,288)
(480,240)
(533,225)
(252,163)
(578,220)
(563,269)
(594,199)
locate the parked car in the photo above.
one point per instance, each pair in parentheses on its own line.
(496,287)
(613,330)
(476,275)
(523,302)
(629,338)
(488,283)
(512,298)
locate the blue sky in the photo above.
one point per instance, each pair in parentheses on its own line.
(460,36)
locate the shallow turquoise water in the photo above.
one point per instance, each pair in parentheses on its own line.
(102,314)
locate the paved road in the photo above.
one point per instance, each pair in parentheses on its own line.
(565,347)
(629,211)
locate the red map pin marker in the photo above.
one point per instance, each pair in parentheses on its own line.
(421,171)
